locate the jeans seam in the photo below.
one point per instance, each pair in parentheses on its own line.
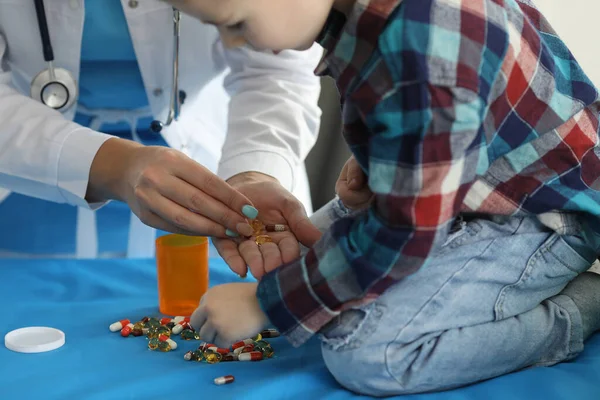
(387,364)
(499,307)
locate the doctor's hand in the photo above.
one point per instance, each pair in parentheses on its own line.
(229,313)
(351,186)
(167,190)
(276,205)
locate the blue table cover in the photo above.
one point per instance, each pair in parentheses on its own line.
(83,297)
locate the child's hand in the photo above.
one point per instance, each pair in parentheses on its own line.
(352,187)
(268,256)
(229,313)
(276,206)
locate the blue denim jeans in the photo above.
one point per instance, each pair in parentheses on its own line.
(487,303)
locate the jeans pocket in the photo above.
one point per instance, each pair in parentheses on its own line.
(549,269)
(351,328)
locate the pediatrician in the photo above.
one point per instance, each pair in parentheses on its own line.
(71,69)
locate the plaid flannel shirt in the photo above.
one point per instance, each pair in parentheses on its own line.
(450,106)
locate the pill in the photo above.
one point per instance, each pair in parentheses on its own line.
(117,326)
(153,344)
(241,343)
(164,321)
(218,350)
(127,329)
(238,350)
(223,380)
(275,228)
(212,357)
(195,355)
(270,333)
(262,239)
(230,357)
(251,356)
(165,338)
(248,348)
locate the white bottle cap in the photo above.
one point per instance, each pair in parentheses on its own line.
(34,339)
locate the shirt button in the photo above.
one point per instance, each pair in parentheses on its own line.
(133,3)
(157,92)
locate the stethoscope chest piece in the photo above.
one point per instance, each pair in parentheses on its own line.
(56,88)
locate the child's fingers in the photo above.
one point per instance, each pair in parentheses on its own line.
(289,248)
(253,258)
(355,176)
(198,318)
(208,332)
(271,256)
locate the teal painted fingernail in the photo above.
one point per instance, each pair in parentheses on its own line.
(231,233)
(250,211)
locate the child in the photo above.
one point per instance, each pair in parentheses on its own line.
(477,132)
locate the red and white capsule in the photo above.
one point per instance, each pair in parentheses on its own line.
(218,350)
(117,326)
(165,338)
(223,380)
(242,343)
(251,356)
(179,319)
(180,325)
(127,329)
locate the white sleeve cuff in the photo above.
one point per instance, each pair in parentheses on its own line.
(74,165)
(266,162)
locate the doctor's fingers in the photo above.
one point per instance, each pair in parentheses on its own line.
(204,180)
(177,218)
(228,250)
(201,203)
(156,221)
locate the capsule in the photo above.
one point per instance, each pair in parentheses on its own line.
(242,343)
(164,321)
(127,329)
(230,357)
(137,332)
(178,319)
(165,347)
(219,350)
(212,357)
(177,329)
(188,334)
(251,356)
(165,338)
(204,346)
(117,326)
(224,380)
(195,355)
(153,344)
(275,228)
(144,320)
(262,239)
(238,350)
(269,333)
(248,348)
(257,337)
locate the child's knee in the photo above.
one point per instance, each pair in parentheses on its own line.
(361,370)
(392,369)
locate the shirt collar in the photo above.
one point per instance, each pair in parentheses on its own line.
(350,41)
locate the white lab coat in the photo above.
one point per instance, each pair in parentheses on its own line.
(270,125)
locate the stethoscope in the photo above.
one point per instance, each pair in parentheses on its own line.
(57,89)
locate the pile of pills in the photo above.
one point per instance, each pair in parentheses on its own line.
(157,331)
(254,349)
